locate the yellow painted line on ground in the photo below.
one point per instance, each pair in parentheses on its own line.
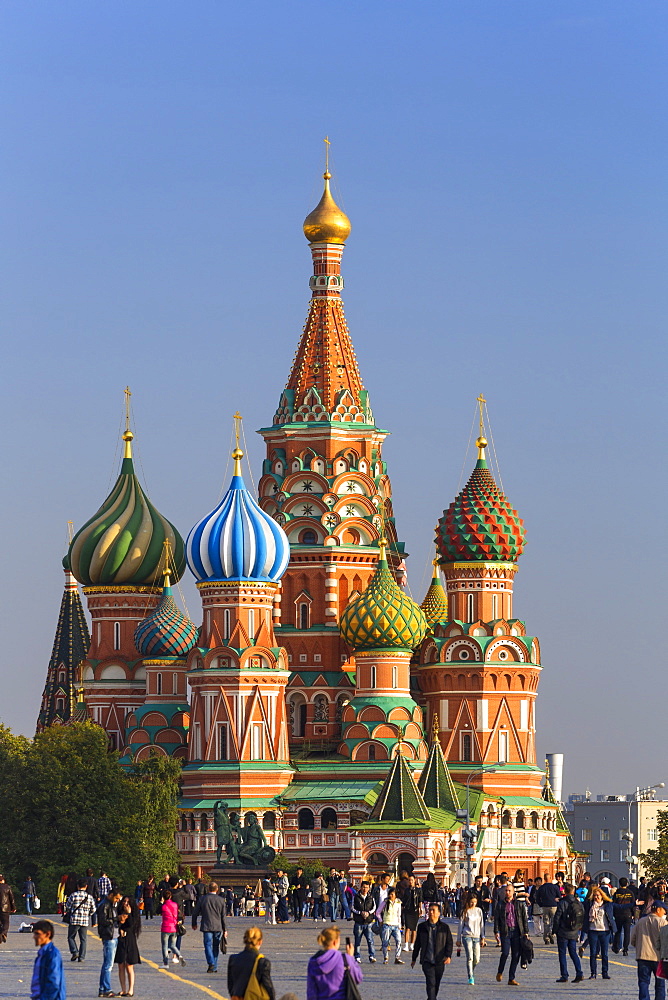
(158,968)
(625,965)
(190,982)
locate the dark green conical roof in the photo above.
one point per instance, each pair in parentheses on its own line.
(399,798)
(436,784)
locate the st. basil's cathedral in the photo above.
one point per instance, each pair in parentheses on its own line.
(356,724)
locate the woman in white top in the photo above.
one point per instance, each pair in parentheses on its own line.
(471,933)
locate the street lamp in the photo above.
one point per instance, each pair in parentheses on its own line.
(461,814)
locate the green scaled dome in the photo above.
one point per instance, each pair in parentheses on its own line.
(480,525)
(383,617)
(122,544)
(435,604)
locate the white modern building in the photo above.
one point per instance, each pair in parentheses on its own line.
(614,830)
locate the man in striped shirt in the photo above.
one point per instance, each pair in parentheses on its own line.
(103,885)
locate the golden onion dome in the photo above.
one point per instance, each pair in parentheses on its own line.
(383,617)
(327,223)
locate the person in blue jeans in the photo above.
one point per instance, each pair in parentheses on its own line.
(567,925)
(210,909)
(107,928)
(599,923)
(364,914)
(650,940)
(29,893)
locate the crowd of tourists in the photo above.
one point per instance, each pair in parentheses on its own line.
(390,919)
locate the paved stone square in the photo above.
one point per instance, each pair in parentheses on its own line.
(289,948)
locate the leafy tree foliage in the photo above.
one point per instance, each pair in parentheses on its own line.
(68,805)
(655,862)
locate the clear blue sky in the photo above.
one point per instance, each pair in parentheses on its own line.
(504,166)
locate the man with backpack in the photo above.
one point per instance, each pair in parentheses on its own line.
(623,908)
(548,897)
(567,924)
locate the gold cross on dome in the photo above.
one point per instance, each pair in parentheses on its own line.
(237,419)
(327,145)
(127,394)
(481,404)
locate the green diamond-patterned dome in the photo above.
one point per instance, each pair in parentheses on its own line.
(435,604)
(383,617)
(480,525)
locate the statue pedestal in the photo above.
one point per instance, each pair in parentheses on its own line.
(239,876)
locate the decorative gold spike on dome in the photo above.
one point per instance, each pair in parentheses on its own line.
(166,573)
(237,454)
(127,434)
(481,443)
(435,728)
(327,223)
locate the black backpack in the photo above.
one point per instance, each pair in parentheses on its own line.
(573,916)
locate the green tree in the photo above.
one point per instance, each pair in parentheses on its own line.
(655,862)
(73,806)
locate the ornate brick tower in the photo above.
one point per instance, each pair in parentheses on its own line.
(117,556)
(326,483)
(479,671)
(238,738)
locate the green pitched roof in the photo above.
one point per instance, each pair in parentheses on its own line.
(436,784)
(399,798)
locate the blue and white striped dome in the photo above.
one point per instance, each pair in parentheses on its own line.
(238,540)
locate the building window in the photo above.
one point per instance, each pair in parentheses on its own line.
(469,608)
(605,854)
(395,677)
(223,752)
(158,683)
(61,677)
(257,741)
(605,835)
(467,746)
(503,748)
(305,819)
(303,615)
(226,624)
(60,704)
(495,606)
(651,835)
(623,856)
(373,679)
(117,635)
(317,657)
(372,752)
(309,538)
(586,834)
(175,683)
(251,623)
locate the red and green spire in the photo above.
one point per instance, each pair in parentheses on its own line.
(480,525)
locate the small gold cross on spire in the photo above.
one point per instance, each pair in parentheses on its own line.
(127,434)
(481,443)
(435,729)
(237,454)
(327,145)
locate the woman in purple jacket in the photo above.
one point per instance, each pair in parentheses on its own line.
(326,979)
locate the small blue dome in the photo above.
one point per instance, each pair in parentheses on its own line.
(238,540)
(167,631)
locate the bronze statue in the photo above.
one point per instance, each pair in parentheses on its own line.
(225,835)
(245,845)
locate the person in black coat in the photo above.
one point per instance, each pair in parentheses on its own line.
(433,948)
(240,967)
(511,926)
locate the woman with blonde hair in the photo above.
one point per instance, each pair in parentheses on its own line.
(326,975)
(471,933)
(599,925)
(247,963)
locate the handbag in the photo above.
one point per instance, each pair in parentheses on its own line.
(661,970)
(255,990)
(352,992)
(36,903)
(181,928)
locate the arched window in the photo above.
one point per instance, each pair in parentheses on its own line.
(321,708)
(61,677)
(226,624)
(303,615)
(405,863)
(503,747)
(328,820)
(269,821)
(117,635)
(204,822)
(372,752)
(309,538)
(395,677)
(184,824)
(305,819)
(520,820)
(507,820)
(495,606)
(158,683)
(60,704)
(251,623)
(191,822)
(372,682)
(469,608)
(534,820)
(467,746)
(297,710)
(377,862)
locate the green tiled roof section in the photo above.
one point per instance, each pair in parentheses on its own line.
(399,798)
(437,819)
(197,805)
(435,782)
(328,790)
(523,800)
(480,525)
